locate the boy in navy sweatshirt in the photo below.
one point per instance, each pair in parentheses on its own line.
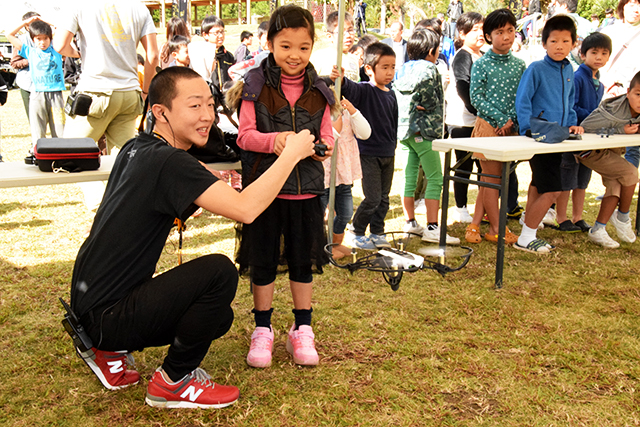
(546,89)
(379,106)
(595,52)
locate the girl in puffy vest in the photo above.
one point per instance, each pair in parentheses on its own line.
(280,97)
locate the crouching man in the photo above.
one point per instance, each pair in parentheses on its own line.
(121,305)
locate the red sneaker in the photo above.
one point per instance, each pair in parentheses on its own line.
(196,390)
(110,367)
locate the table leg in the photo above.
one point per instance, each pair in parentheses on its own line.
(445,197)
(504,196)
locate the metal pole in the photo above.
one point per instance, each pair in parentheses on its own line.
(334,156)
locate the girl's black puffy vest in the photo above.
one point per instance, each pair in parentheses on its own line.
(274,114)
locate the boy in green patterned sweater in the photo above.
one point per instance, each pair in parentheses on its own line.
(494,83)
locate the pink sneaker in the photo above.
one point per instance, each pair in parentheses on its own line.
(301,345)
(261,348)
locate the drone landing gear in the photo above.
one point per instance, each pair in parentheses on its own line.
(393,278)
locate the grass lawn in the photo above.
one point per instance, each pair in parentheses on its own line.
(558,345)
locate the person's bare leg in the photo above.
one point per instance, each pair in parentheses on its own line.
(537,210)
(408,207)
(562,204)
(478,210)
(607,207)
(263,297)
(626,196)
(301,294)
(490,196)
(433,207)
(577,199)
(532,195)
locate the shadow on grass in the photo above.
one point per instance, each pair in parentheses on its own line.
(9,207)
(32,223)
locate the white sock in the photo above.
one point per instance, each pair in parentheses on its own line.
(527,236)
(623,217)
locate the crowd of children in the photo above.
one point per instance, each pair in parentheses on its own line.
(278,92)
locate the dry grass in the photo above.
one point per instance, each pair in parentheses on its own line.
(559,345)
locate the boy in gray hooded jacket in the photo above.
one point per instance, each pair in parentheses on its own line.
(620,114)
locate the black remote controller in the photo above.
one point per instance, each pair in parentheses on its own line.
(320,149)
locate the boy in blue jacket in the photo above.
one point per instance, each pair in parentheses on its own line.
(547,90)
(595,52)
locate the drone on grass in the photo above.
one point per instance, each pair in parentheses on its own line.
(393,262)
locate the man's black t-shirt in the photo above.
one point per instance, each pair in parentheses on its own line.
(150,185)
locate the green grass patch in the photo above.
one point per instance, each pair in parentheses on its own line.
(558,345)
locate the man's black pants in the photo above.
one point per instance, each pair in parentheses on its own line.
(187,307)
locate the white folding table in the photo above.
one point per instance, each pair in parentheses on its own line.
(15,174)
(510,149)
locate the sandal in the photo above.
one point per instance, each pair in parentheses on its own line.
(509,237)
(537,246)
(473,234)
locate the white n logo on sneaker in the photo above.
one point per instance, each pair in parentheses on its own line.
(192,393)
(115,366)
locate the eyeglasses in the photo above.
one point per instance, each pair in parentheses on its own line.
(217,32)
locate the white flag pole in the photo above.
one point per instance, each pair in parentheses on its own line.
(332,180)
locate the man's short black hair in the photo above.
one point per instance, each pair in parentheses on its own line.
(559,23)
(595,40)
(432,24)
(211,21)
(608,11)
(572,5)
(40,28)
(497,19)
(367,40)
(163,87)
(245,35)
(332,20)
(375,51)
(422,43)
(635,81)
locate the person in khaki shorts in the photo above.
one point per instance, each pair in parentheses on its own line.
(108,33)
(620,114)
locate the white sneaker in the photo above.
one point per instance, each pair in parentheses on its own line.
(521,221)
(420,207)
(623,229)
(433,236)
(550,217)
(601,237)
(463,215)
(413,227)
